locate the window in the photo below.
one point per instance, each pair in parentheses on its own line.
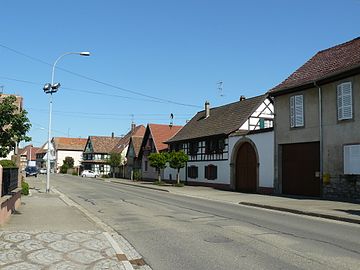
(344,101)
(193,172)
(146,165)
(352,159)
(194,148)
(211,172)
(297,111)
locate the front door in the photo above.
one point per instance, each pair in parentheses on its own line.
(246,169)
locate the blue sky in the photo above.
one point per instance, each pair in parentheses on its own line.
(147,56)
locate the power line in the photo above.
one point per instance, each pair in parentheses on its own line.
(98,81)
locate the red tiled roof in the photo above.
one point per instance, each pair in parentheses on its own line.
(63,143)
(162,133)
(26,151)
(103,144)
(124,141)
(325,64)
(136,141)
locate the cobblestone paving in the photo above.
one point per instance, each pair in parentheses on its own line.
(56,250)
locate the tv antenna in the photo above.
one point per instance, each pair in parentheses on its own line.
(220,88)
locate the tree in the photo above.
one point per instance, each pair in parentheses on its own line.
(14,125)
(115,161)
(158,161)
(68,163)
(177,160)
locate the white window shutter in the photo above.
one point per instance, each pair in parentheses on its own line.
(299,111)
(344,101)
(339,102)
(292,111)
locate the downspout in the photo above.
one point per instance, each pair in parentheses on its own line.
(321,138)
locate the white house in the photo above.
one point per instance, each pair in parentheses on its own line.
(230,146)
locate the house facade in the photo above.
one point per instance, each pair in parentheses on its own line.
(317,142)
(97,152)
(132,156)
(27,154)
(153,142)
(99,148)
(124,171)
(230,146)
(68,147)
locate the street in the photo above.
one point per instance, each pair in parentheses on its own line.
(179,232)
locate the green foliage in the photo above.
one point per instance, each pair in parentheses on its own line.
(137,175)
(115,161)
(64,168)
(74,173)
(6,163)
(177,160)
(69,161)
(159,183)
(14,125)
(24,188)
(158,161)
(178,185)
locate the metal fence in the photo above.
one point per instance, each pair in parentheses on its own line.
(9,181)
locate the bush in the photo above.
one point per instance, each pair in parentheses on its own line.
(159,183)
(74,173)
(178,185)
(137,175)
(6,163)
(24,188)
(64,168)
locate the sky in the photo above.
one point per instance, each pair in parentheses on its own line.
(151,58)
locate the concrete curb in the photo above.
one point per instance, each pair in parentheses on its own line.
(300,212)
(130,184)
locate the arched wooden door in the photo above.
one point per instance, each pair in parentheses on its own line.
(246,168)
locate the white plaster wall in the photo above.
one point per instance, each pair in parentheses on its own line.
(61,155)
(169,171)
(264,143)
(223,172)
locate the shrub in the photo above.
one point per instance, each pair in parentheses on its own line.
(137,175)
(64,168)
(74,173)
(6,163)
(24,188)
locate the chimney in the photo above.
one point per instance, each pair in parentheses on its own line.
(133,126)
(207,109)
(112,134)
(242,98)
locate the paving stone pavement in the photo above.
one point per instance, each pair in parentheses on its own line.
(50,231)
(57,250)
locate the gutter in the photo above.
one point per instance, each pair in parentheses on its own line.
(321,136)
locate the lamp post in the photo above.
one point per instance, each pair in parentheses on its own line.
(50,89)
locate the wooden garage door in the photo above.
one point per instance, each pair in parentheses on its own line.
(246,168)
(300,164)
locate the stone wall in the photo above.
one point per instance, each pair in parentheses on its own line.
(343,187)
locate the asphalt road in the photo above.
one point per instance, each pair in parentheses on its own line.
(178,232)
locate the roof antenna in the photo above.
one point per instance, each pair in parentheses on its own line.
(220,88)
(171,120)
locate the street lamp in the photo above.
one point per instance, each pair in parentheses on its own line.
(51,88)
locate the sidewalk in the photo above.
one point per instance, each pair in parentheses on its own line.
(335,210)
(50,232)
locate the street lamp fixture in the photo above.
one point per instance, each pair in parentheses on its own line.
(51,88)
